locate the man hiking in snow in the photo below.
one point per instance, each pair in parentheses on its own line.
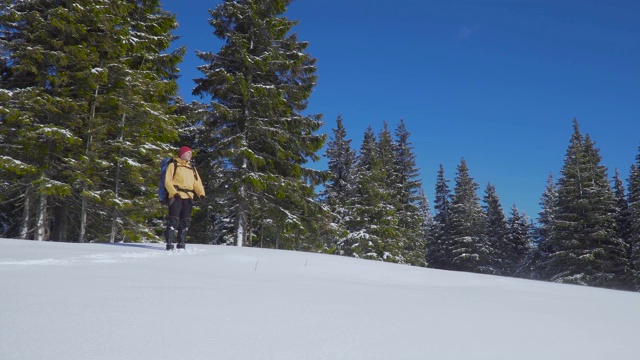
(183,184)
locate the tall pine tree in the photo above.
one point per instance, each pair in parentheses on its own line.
(583,243)
(464,240)
(411,202)
(341,160)
(623,217)
(340,187)
(259,83)
(372,224)
(634,218)
(437,255)
(500,254)
(519,240)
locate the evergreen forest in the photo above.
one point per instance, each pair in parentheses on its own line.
(89,105)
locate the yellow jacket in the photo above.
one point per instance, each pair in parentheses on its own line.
(182,179)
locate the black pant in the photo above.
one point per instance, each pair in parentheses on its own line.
(179,219)
(181,208)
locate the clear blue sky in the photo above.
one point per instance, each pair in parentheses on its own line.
(496,82)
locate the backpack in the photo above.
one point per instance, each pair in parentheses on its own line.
(163,194)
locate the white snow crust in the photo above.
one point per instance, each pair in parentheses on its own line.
(125,301)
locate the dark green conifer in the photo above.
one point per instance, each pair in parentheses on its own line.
(465,242)
(583,243)
(623,217)
(500,254)
(519,240)
(412,206)
(634,218)
(437,255)
(372,224)
(259,84)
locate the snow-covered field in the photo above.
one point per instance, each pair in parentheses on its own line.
(104,301)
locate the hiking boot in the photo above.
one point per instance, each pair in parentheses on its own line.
(170,246)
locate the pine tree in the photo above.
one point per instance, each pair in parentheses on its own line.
(395,244)
(519,240)
(437,255)
(143,86)
(623,217)
(259,83)
(500,256)
(583,242)
(427,220)
(340,188)
(546,216)
(372,224)
(341,161)
(535,263)
(411,202)
(634,218)
(464,240)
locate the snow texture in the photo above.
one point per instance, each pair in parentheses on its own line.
(137,301)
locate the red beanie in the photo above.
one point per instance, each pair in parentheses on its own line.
(183,150)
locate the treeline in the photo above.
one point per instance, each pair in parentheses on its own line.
(587,232)
(375,197)
(89,106)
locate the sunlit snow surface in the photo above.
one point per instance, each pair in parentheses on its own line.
(100,301)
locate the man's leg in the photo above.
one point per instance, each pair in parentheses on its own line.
(172,223)
(185,220)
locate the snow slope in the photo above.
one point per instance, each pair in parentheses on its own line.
(105,301)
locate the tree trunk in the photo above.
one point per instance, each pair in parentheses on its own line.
(114,219)
(241,215)
(83,218)
(60,223)
(41,223)
(85,205)
(26,211)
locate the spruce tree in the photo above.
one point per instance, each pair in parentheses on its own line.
(546,216)
(584,247)
(634,218)
(541,232)
(427,220)
(395,243)
(437,255)
(623,217)
(411,202)
(143,85)
(341,161)
(259,83)
(340,187)
(520,243)
(464,240)
(500,256)
(372,226)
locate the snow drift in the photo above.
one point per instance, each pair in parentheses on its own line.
(128,301)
